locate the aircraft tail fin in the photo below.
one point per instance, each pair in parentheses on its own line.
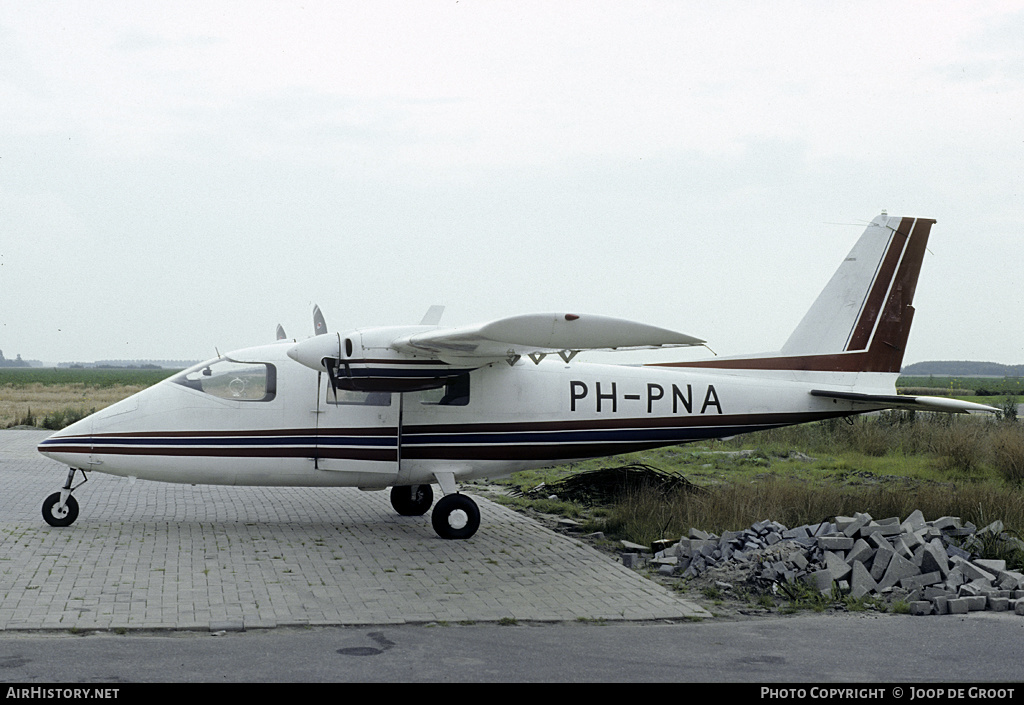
(861,320)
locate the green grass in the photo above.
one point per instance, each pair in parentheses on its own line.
(18,377)
(886,465)
(992,386)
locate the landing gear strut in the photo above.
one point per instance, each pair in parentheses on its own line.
(60,508)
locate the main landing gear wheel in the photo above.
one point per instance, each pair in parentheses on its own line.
(412,500)
(56,515)
(455,516)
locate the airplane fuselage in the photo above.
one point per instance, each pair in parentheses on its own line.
(266,420)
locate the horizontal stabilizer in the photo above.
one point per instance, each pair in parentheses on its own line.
(901,401)
(541,333)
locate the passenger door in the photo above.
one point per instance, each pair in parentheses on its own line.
(357,434)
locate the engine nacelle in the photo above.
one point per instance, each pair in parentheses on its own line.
(364,361)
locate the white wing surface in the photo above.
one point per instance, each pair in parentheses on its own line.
(541,333)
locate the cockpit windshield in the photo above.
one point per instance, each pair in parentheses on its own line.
(227,379)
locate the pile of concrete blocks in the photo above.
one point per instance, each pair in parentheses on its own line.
(932,565)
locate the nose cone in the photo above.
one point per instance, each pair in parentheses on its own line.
(68,444)
(73,439)
(312,351)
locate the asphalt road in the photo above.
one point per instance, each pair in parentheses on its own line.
(883,650)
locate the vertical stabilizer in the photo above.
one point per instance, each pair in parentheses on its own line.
(861,320)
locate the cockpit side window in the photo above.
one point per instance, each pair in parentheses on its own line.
(235,381)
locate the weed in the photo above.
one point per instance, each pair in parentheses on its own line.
(1008,452)
(712,593)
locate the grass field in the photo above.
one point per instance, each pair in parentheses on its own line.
(53,398)
(964,386)
(970,467)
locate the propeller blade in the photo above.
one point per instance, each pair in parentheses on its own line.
(319,324)
(433,316)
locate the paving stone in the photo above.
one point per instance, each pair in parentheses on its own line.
(971,571)
(797,559)
(934,558)
(991,565)
(835,565)
(834,543)
(1010,580)
(998,604)
(820,580)
(943,523)
(959,605)
(861,582)
(881,529)
(976,603)
(150,555)
(881,561)
(898,569)
(921,608)
(920,581)
(861,551)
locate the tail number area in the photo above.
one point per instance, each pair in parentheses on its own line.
(610,397)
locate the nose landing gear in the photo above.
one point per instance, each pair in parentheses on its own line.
(60,508)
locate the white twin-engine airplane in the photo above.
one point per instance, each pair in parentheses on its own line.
(407,407)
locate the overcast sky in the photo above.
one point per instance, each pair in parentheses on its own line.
(176,177)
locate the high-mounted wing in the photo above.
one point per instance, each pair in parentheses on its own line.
(540,333)
(409,358)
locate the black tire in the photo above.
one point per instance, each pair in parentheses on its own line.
(455,516)
(412,500)
(55,517)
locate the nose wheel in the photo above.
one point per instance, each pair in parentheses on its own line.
(60,508)
(57,513)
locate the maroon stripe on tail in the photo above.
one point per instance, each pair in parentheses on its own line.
(889,342)
(875,300)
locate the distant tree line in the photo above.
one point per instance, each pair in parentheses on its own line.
(131,364)
(17,362)
(963,368)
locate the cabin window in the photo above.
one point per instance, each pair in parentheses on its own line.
(235,381)
(344,396)
(454,393)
